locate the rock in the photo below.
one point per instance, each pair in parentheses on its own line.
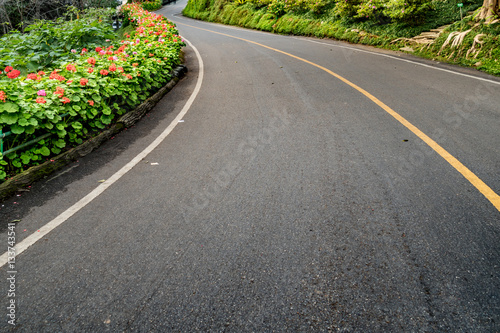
(407,49)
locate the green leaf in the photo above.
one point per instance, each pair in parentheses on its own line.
(60,143)
(75,98)
(10,107)
(17,163)
(16,129)
(29,129)
(25,158)
(77,107)
(106,119)
(23,122)
(61,133)
(76,125)
(8,118)
(32,66)
(45,151)
(55,150)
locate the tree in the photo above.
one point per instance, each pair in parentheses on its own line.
(489,11)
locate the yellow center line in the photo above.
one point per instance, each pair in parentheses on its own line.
(468,174)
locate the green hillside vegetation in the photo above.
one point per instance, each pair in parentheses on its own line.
(392,24)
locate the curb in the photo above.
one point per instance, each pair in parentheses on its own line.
(38,172)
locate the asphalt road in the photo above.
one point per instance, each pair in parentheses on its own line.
(285,201)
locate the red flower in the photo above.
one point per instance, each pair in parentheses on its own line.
(71,68)
(8,69)
(120,69)
(84,50)
(151,54)
(41,73)
(2,95)
(129,76)
(69,81)
(40,100)
(112,68)
(91,61)
(59,91)
(84,81)
(65,100)
(55,76)
(135,64)
(111,58)
(91,102)
(98,49)
(104,72)
(90,70)
(13,74)
(32,76)
(109,52)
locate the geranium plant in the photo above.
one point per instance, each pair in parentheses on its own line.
(73,101)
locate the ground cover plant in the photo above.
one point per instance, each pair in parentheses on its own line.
(80,92)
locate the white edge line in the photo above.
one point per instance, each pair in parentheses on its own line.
(43,231)
(400,59)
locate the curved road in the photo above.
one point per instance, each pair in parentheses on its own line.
(310,185)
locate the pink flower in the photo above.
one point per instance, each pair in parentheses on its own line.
(41,93)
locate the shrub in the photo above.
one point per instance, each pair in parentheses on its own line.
(73,101)
(152,5)
(276,7)
(407,11)
(45,42)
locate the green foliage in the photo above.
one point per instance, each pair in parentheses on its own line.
(75,100)
(151,5)
(407,11)
(46,43)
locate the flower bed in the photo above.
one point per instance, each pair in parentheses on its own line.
(67,105)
